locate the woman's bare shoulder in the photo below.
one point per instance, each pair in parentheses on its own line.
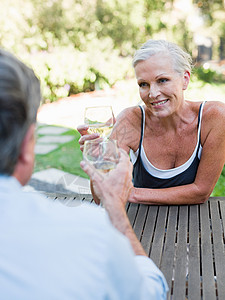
(214,111)
(129,114)
(211,110)
(213,120)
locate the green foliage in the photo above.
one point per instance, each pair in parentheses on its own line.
(66,70)
(81,45)
(116,19)
(207,75)
(153,15)
(209,7)
(184,36)
(213,14)
(219,188)
(14,24)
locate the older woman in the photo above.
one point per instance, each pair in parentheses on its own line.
(177,146)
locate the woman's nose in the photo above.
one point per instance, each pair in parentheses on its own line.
(153,92)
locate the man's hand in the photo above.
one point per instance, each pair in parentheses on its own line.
(115,185)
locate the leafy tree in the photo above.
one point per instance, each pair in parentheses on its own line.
(120,20)
(213,14)
(209,7)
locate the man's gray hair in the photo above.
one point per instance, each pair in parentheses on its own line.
(181,60)
(19,101)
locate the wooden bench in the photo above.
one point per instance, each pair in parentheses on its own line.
(186,242)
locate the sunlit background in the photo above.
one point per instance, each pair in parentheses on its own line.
(84,45)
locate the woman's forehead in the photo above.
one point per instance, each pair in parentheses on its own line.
(158,63)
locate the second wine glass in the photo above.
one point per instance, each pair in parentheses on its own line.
(100,119)
(103,155)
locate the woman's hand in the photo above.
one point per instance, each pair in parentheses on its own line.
(83,130)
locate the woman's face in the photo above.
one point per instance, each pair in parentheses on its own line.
(160,86)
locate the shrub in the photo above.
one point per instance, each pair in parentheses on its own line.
(66,70)
(207,74)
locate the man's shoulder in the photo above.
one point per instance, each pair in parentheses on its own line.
(60,209)
(24,205)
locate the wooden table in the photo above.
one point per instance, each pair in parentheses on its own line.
(186,242)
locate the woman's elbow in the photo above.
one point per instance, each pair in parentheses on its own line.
(203,199)
(202,194)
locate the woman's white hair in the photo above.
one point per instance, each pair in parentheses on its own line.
(182,61)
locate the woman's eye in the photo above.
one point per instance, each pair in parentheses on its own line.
(162,80)
(143,84)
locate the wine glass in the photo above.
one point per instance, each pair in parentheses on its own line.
(103,155)
(100,120)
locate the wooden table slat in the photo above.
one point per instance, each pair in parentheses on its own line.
(157,245)
(132,212)
(167,262)
(218,247)
(149,228)
(194,284)
(181,255)
(222,209)
(208,283)
(140,221)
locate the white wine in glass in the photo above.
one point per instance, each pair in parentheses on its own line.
(103,155)
(99,119)
(105,166)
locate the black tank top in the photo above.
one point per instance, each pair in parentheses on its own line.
(152,177)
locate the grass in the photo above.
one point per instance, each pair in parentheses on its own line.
(219,190)
(66,157)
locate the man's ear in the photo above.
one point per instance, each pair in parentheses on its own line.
(186,78)
(24,166)
(26,150)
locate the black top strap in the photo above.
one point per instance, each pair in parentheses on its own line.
(199,115)
(142,129)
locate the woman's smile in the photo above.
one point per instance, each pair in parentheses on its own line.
(159,103)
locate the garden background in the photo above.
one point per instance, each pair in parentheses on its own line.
(79,46)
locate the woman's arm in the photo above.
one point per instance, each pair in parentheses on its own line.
(209,170)
(124,132)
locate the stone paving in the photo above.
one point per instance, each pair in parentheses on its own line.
(57,181)
(53,180)
(50,138)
